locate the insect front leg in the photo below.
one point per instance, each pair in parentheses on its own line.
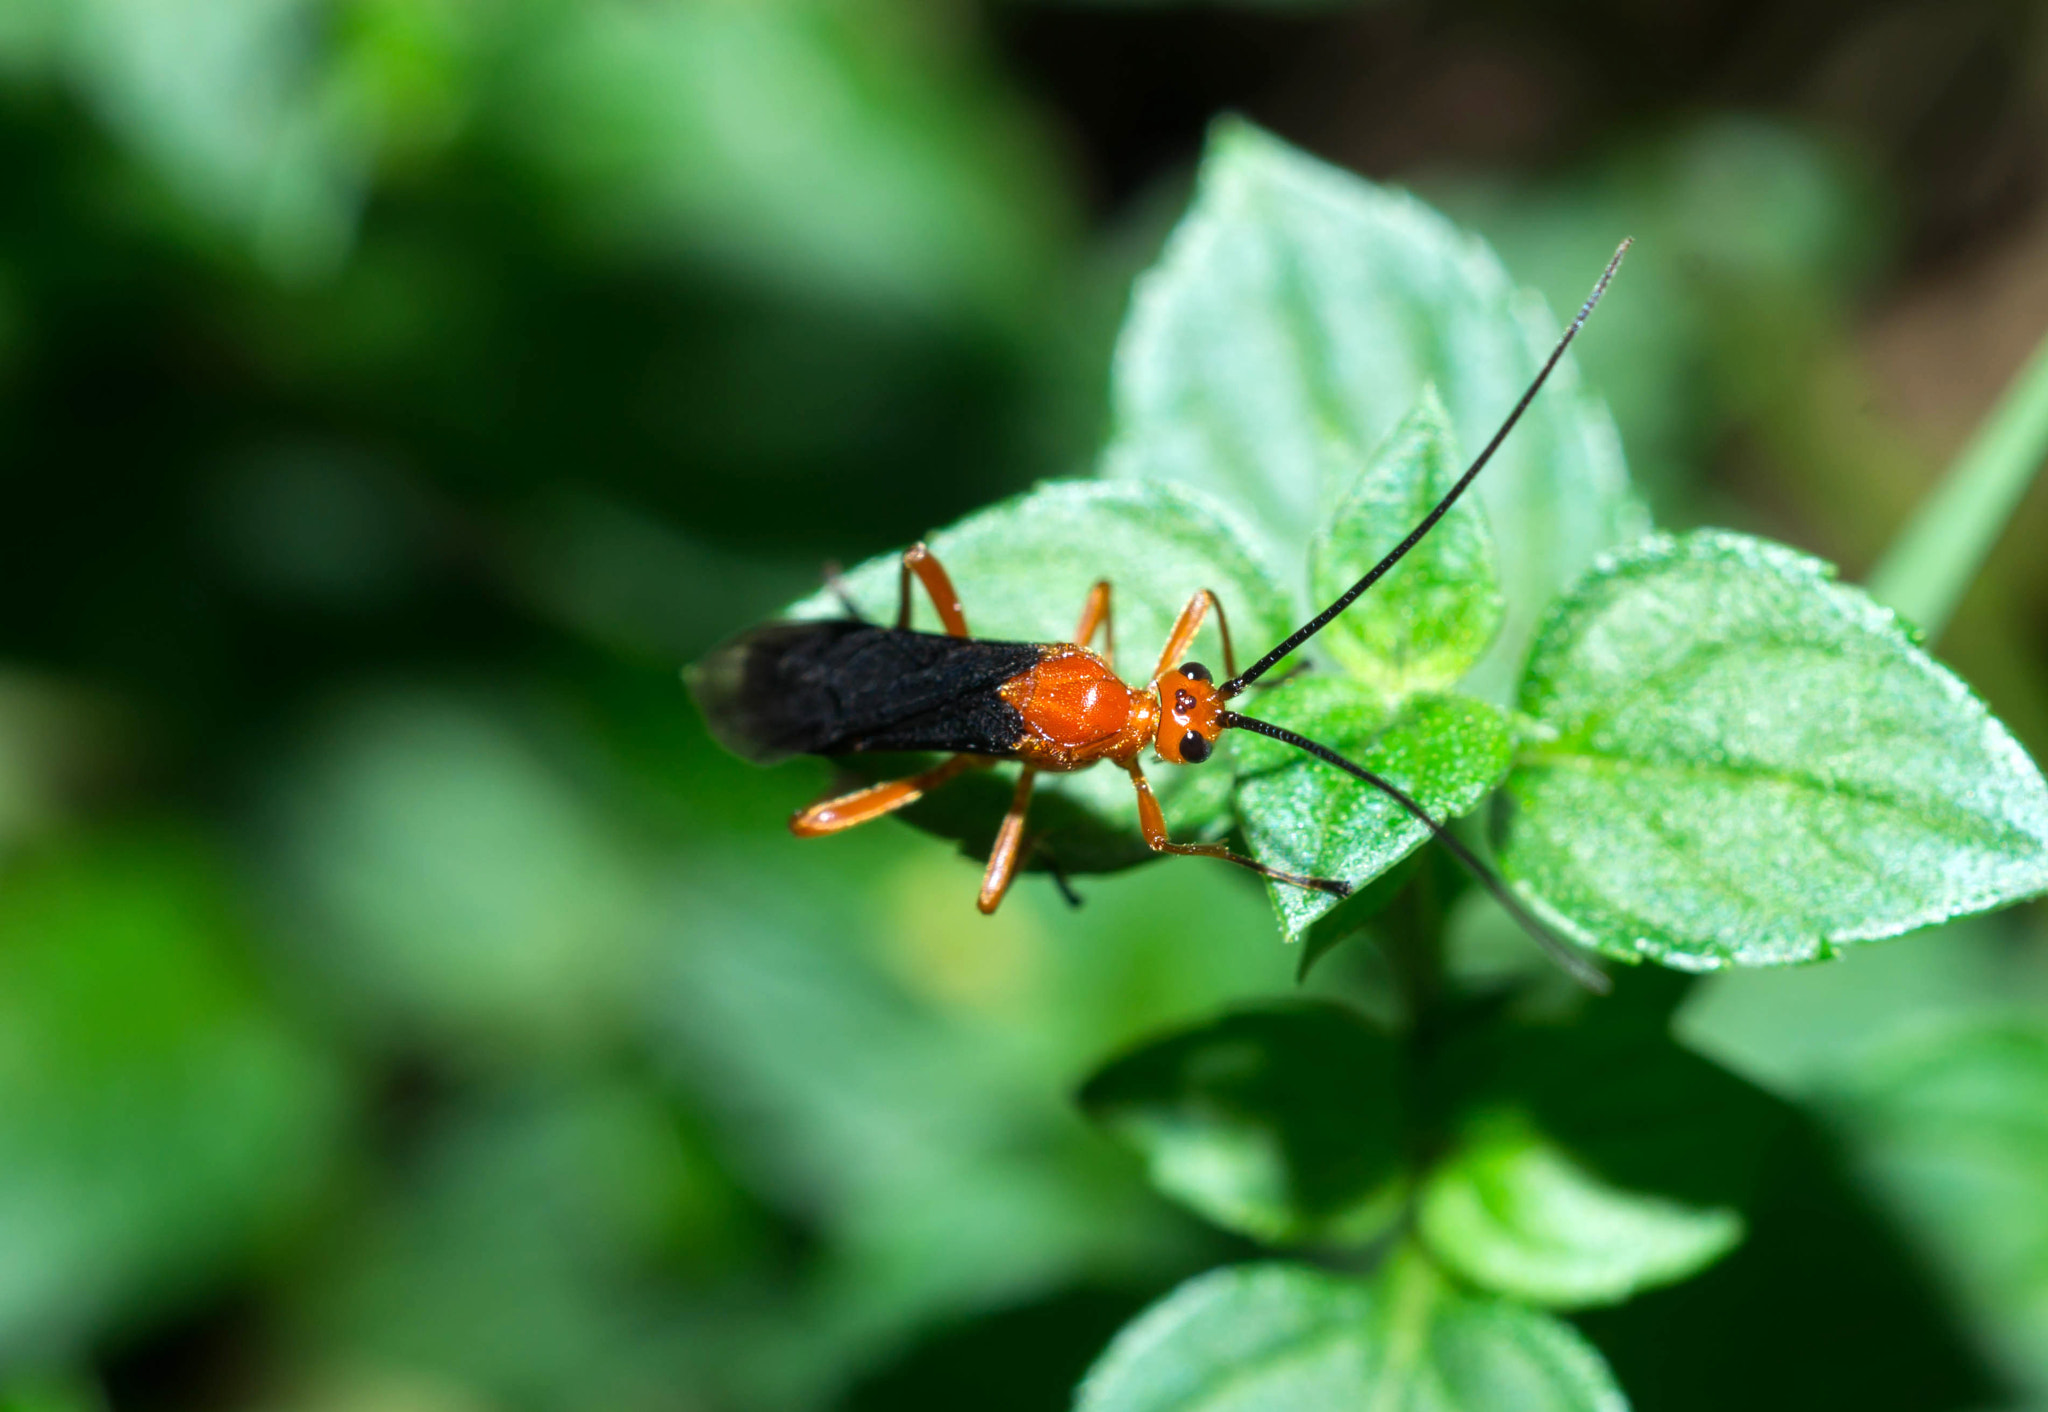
(1183,635)
(1153,823)
(920,561)
(845,811)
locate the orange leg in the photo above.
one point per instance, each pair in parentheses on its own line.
(845,811)
(1095,615)
(918,560)
(1183,635)
(1009,849)
(1153,823)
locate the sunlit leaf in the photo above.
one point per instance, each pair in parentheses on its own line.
(1422,626)
(1747,763)
(1296,317)
(1283,1122)
(1282,1338)
(1445,752)
(1512,1213)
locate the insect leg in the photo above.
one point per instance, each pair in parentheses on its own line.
(1096,615)
(1187,625)
(919,560)
(844,811)
(1003,858)
(1153,822)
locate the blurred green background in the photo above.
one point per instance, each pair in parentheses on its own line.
(405,1008)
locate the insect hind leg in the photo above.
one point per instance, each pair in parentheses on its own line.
(840,812)
(1009,849)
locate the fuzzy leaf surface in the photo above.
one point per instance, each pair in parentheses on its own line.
(1296,317)
(1284,1338)
(1282,1122)
(1422,626)
(1751,764)
(1300,814)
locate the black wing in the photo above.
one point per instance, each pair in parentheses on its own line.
(841,686)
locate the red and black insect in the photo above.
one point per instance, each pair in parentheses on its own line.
(845,686)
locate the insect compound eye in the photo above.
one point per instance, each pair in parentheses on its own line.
(1194,671)
(1194,748)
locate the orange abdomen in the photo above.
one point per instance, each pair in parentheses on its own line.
(1076,711)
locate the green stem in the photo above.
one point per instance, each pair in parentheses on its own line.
(1935,557)
(1414,930)
(1412,1288)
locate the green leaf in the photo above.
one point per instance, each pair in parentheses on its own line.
(1951,1129)
(1283,1338)
(1300,814)
(454,882)
(1296,317)
(159,1121)
(1024,568)
(1425,624)
(837,147)
(238,109)
(1283,1122)
(1351,916)
(1750,764)
(1511,1212)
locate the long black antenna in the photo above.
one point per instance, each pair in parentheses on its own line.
(1565,955)
(1321,620)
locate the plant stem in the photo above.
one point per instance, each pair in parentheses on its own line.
(1414,932)
(1930,564)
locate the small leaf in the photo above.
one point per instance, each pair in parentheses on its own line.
(1300,814)
(1284,1338)
(1422,626)
(1296,317)
(1024,568)
(1282,1122)
(1750,764)
(1512,1213)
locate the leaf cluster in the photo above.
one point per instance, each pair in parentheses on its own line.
(1705,751)
(1699,750)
